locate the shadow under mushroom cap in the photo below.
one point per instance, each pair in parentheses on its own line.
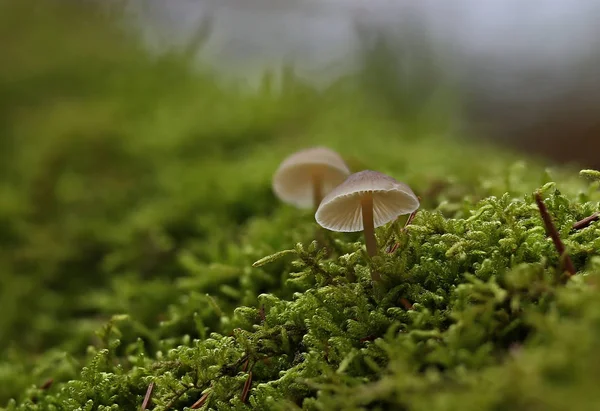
(341,209)
(293,180)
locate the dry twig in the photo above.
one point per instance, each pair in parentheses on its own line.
(406,304)
(566,261)
(586,221)
(247,385)
(47,384)
(201,401)
(148,397)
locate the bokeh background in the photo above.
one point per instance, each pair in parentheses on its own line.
(138,139)
(526,73)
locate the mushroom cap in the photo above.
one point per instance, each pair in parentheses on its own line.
(293,180)
(341,209)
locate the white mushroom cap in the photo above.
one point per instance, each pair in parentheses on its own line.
(341,209)
(293,180)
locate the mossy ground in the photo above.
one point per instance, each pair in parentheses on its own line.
(135,197)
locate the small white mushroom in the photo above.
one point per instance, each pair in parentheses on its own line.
(364,201)
(306,176)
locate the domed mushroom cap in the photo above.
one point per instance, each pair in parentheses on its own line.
(341,209)
(293,181)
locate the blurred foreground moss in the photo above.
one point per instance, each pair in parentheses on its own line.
(135,197)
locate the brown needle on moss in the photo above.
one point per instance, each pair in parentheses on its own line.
(586,221)
(553,233)
(246,389)
(201,401)
(406,304)
(47,384)
(148,397)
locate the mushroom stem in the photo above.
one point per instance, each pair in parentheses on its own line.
(369,226)
(317,180)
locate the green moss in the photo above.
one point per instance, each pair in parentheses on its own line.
(136,200)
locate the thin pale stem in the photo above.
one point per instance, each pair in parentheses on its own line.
(368,223)
(317,190)
(317,185)
(369,230)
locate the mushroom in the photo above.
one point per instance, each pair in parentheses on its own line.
(306,176)
(364,201)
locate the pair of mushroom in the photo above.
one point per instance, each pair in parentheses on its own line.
(344,202)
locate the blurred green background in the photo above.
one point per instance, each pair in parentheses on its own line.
(117,162)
